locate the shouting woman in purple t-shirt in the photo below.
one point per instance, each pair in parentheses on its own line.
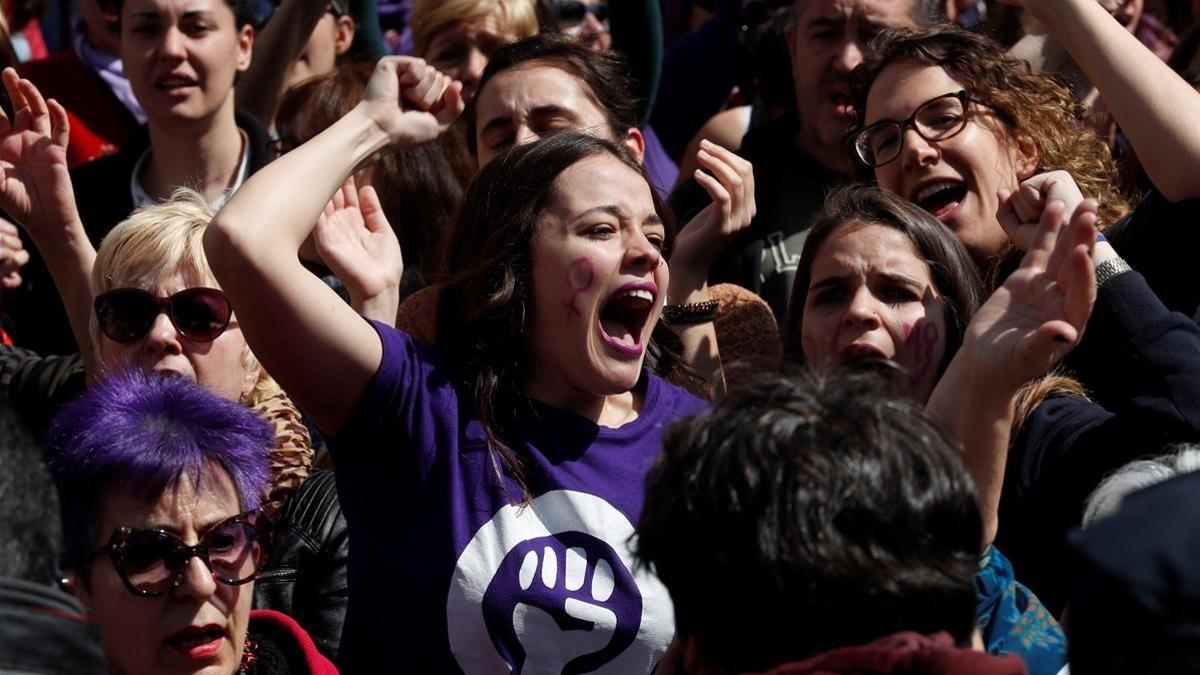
(490,481)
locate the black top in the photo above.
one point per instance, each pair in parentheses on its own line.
(789,188)
(1161,240)
(1140,360)
(35,312)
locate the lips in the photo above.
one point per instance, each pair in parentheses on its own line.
(198,642)
(940,197)
(624,316)
(175,83)
(861,350)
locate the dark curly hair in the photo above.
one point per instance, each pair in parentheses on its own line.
(1034,105)
(806,514)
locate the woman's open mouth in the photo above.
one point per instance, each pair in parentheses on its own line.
(624,316)
(941,198)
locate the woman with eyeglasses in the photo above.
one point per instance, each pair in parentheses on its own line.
(952,123)
(147,301)
(160,486)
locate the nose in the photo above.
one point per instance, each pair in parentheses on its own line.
(472,68)
(172,45)
(642,254)
(862,312)
(163,338)
(848,57)
(195,580)
(915,151)
(525,134)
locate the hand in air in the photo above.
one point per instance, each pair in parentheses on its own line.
(354,238)
(1040,312)
(412,101)
(13,256)
(731,187)
(1020,211)
(35,186)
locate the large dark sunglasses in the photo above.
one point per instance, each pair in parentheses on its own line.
(935,120)
(573,11)
(199,314)
(152,561)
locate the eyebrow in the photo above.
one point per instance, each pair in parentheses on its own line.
(894,277)
(619,213)
(548,110)
(190,14)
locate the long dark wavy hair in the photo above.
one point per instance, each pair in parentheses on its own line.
(488,259)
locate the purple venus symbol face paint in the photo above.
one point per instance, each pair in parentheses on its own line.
(579,280)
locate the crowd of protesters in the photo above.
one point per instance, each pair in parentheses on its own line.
(571,336)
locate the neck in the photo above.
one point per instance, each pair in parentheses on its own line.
(832,158)
(611,411)
(204,155)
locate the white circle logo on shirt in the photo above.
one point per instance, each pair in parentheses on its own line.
(551,588)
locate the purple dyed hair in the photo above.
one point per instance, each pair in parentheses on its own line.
(143,433)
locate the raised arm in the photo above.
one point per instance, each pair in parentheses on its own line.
(1022,330)
(321,351)
(1155,108)
(276,48)
(731,187)
(35,189)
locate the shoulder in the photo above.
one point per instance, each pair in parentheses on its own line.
(280,645)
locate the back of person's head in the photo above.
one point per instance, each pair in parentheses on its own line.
(29,531)
(143,433)
(605,77)
(806,514)
(1106,499)
(1135,600)
(430,17)
(955,277)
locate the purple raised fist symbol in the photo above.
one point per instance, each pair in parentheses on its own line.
(562,604)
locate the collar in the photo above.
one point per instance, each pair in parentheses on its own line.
(142,198)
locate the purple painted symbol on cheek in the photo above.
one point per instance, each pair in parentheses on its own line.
(579,280)
(922,338)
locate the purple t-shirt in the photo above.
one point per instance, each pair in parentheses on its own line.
(448,575)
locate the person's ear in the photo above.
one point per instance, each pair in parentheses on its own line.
(1026,156)
(635,143)
(789,35)
(245,47)
(71,585)
(343,35)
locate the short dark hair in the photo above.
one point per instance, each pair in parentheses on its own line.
(955,276)
(144,433)
(810,513)
(605,76)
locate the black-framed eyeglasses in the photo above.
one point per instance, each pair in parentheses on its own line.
(152,561)
(574,11)
(937,119)
(199,314)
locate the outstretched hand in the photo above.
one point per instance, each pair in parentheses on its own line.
(1040,312)
(13,256)
(35,186)
(353,237)
(731,187)
(411,101)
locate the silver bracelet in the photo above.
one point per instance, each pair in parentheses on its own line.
(1109,269)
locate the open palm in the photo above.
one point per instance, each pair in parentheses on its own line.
(354,238)
(35,186)
(1040,312)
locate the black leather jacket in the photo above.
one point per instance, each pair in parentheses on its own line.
(305,576)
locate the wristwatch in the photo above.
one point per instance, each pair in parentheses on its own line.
(1109,269)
